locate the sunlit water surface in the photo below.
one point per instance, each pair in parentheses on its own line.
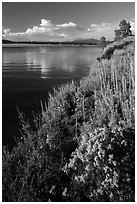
(28,74)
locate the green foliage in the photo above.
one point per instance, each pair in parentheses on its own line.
(82,146)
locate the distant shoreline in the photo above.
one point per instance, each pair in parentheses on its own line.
(44,45)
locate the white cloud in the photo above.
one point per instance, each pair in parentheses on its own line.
(45,22)
(132,23)
(103,29)
(102,26)
(63,35)
(7,30)
(70,24)
(93,25)
(46,30)
(36,30)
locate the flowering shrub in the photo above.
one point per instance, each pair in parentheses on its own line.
(103,164)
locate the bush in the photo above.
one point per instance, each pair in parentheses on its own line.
(103,165)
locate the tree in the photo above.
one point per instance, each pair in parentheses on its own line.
(102,42)
(124,30)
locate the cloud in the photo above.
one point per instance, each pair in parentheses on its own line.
(36,30)
(44,31)
(7,30)
(45,22)
(70,24)
(103,29)
(47,31)
(94,25)
(132,23)
(63,35)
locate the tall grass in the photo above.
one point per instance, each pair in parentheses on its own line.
(117,86)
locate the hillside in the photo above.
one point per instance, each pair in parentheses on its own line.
(119,45)
(87,41)
(7,41)
(90,41)
(82,146)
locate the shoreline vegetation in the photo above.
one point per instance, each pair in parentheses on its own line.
(82,145)
(46,45)
(82,43)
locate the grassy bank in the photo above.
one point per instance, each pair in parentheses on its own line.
(117,45)
(81,147)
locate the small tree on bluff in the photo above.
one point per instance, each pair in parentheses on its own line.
(124,30)
(102,42)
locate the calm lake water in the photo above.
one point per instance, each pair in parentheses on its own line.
(28,74)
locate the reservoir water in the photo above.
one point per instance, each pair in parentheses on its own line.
(29,74)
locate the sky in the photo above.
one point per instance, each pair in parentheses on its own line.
(64,21)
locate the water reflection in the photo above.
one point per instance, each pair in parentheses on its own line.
(22,79)
(50,62)
(38,60)
(53,60)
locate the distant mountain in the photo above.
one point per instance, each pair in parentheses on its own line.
(79,41)
(87,41)
(91,41)
(7,41)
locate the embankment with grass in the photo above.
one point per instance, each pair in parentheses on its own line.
(82,146)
